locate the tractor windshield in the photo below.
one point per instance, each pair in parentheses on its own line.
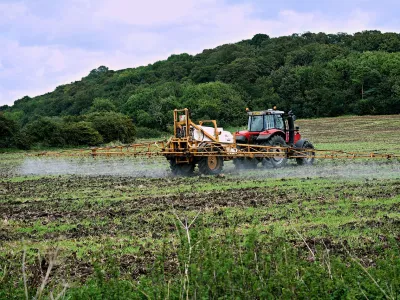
(264,122)
(256,123)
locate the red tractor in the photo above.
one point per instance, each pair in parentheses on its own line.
(271,128)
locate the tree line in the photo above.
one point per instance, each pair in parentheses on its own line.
(91,129)
(314,74)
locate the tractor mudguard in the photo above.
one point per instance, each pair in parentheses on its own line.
(263,137)
(241,139)
(300,143)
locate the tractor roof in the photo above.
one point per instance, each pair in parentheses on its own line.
(265,112)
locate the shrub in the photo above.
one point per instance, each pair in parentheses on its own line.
(46,130)
(102,105)
(8,129)
(81,133)
(144,132)
(22,140)
(113,126)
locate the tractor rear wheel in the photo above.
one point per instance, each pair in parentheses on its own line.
(275,161)
(211,165)
(185,169)
(309,160)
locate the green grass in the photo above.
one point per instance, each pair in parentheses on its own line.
(320,232)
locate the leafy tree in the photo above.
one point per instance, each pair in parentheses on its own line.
(81,133)
(215,100)
(226,54)
(265,94)
(8,128)
(15,115)
(4,107)
(102,104)
(152,107)
(47,131)
(203,74)
(242,70)
(113,126)
(258,39)
(300,57)
(98,72)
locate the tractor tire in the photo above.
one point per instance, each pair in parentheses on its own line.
(275,162)
(211,165)
(181,169)
(306,161)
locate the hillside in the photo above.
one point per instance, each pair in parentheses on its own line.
(355,133)
(315,75)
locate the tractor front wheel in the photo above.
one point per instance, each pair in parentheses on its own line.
(275,161)
(211,165)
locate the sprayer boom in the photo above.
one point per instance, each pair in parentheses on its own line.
(209,146)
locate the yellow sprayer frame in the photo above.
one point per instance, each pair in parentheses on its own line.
(184,149)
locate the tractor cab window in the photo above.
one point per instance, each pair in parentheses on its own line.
(279,124)
(269,122)
(256,123)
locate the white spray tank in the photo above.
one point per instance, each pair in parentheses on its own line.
(223,137)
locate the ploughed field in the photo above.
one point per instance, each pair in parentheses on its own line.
(126,228)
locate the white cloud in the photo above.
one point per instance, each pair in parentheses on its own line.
(150,12)
(126,33)
(11,11)
(143,41)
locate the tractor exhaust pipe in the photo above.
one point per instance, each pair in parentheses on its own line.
(291,118)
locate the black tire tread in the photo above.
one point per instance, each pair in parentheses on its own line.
(276,140)
(181,169)
(304,161)
(204,169)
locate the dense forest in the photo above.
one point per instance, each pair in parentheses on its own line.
(315,75)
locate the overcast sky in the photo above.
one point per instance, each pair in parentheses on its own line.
(45,43)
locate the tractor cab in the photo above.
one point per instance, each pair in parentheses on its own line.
(263,125)
(264,120)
